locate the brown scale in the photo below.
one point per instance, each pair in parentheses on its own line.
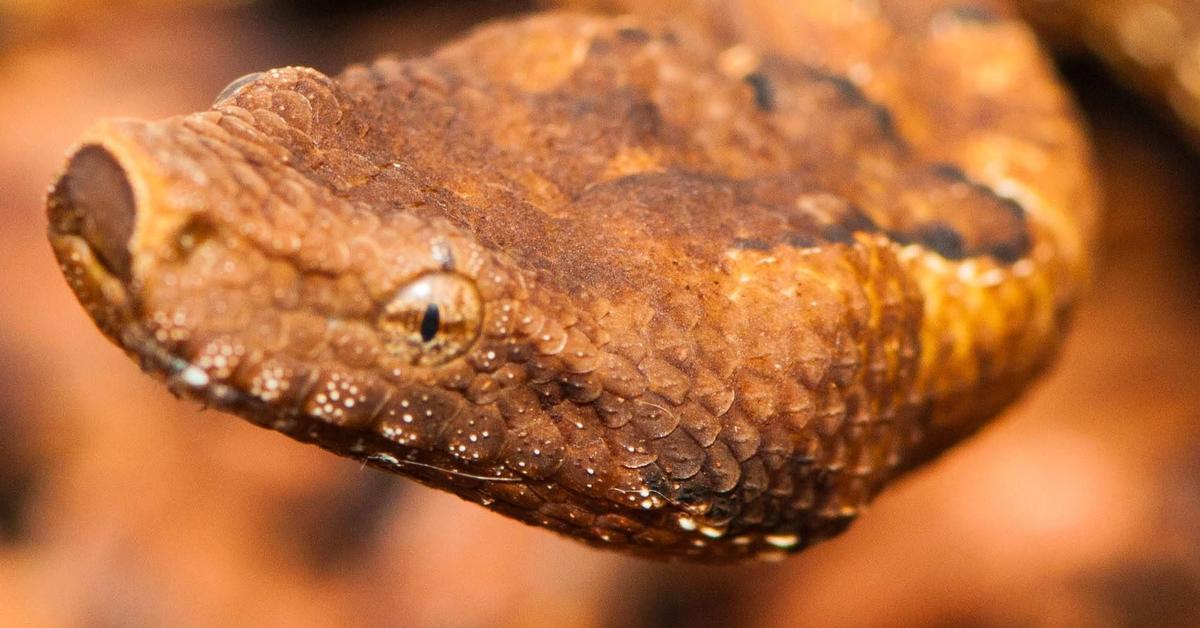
(691,289)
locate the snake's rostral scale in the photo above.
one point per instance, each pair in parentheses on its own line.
(696,282)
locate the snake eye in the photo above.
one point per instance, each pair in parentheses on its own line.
(433,319)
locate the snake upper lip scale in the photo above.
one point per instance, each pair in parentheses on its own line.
(683,293)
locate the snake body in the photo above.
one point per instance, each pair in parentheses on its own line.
(697,282)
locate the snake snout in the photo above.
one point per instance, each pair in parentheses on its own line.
(95,200)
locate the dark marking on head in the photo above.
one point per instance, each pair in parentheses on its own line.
(952,244)
(1008,253)
(942,239)
(600,47)
(764,90)
(838,233)
(855,97)
(838,220)
(1014,248)
(634,35)
(1016,208)
(857,220)
(645,119)
(845,87)
(753,244)
(972,220)
(887,124)
(950,172)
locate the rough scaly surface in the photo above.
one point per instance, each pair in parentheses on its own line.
(689,288)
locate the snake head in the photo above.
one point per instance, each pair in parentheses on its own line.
(238,265)
(281,257)
(150,259)
(274,259)
(584,272)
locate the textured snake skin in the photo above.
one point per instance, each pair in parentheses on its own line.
(696,283)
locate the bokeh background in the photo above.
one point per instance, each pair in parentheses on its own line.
(121,506)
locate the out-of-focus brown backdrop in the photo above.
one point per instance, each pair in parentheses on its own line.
(120,506)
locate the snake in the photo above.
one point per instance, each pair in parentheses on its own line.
(689,279)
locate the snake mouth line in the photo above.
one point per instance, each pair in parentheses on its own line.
(116,315)
(184,378)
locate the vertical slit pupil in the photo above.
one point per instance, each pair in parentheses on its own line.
(430,322)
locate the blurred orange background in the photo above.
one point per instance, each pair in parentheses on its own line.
(121,506)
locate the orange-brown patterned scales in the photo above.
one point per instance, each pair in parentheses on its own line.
(693,288)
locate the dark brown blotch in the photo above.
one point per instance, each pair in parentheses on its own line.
(972,220)
(858,220)
(950,172)
(942,239)
(853,95)
(1010,252)
(838,234)
(764,90)
(1013,245)
(633,35)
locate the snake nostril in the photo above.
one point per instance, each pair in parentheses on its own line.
(96,190)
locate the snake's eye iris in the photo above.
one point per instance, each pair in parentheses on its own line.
(432,319)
